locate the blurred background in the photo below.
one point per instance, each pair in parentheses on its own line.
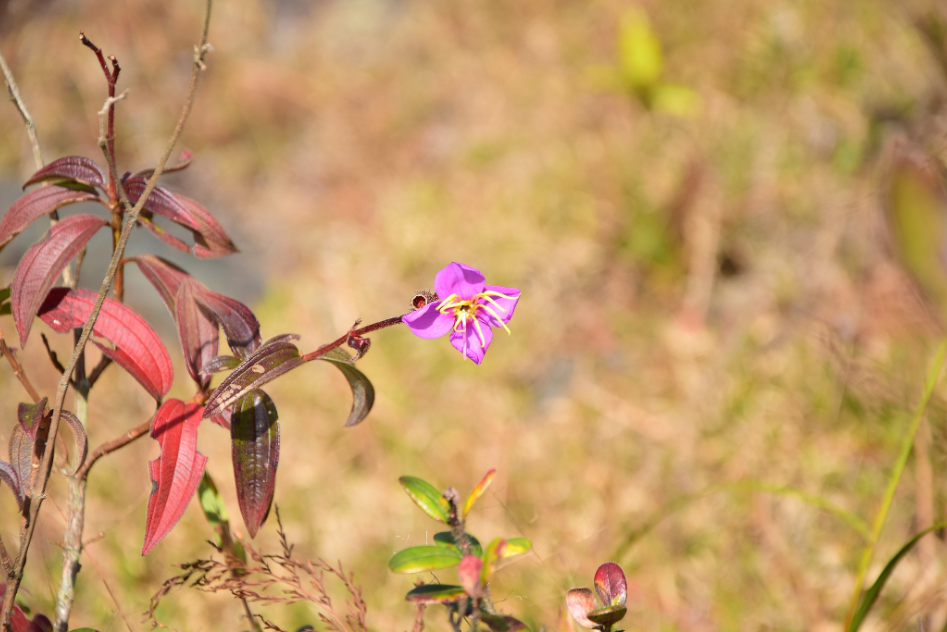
(706,205)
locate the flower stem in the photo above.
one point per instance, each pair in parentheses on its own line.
(353,333)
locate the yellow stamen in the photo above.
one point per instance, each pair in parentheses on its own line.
(483,341)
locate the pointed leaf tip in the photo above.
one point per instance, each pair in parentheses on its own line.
(29,416)
(36,203)
(478,491)
(175,474)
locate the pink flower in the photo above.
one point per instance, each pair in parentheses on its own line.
(468,310)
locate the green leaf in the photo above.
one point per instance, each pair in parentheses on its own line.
(436,593)
(426,497)
(418,559)
(446,539)
(363,393)
(211,502)
(871,595)
(641,60)
(516,546)
(478,491)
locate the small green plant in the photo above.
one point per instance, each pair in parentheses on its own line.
(475,564)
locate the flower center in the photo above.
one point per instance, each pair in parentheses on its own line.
(466,310)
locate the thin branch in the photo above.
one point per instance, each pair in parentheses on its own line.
(111,446)
(5,560)
(98,370)
(54,358)
(27,119)
(18,369)
(39,490)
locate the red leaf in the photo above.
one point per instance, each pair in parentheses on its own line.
(40,623)
(469,573)
(36,203)
(21,456)
(136,346)
(177,472)
(42,263)
(211,240)
(223,419)
(254,434)
(610,584)
(75,168)
(162,234)
(240,326)
(161,201)
(263,366)
(9,476)
(199,333)
(29,416)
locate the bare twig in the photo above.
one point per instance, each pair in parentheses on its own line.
(27,119)
(111,446)
(40,488)
(5,560)
(18,370)
(54,358)
(98,370)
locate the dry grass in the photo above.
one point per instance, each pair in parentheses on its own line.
(670,343)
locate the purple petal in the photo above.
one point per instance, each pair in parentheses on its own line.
(458,279)
(501,307)
(474,349)
(427,322)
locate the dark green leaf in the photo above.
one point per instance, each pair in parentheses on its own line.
(418,559)
(446,539)
(363,393)
(436,593)
(426,497)
(254,434)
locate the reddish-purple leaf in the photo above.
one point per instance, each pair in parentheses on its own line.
(177,472)
(75,168)
(197,331)
(21,456)
(43,262)
(82,440)
(29,416)
(40,623)
(263,366)
(210,240)
(581,601)
(8,475)
(162,234)
(240,326)
(199,334)
(161,201)
(134,344)
(36,203)
(254,434)
(164,275)
(610,584)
